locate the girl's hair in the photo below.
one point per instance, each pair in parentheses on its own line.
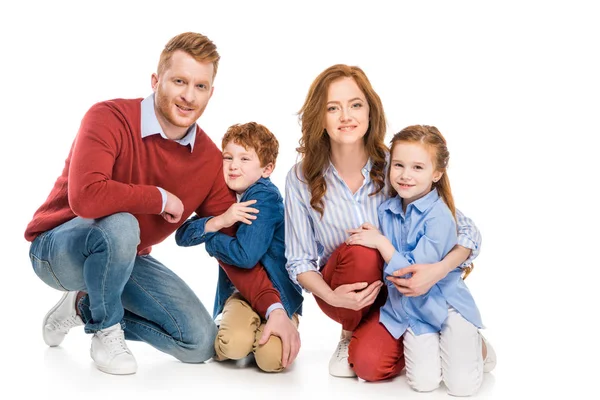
(432,139)
(315,147)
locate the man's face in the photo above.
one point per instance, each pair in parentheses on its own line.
(182,92)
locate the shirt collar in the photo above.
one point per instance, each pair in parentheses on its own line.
(151,126)
(422,204)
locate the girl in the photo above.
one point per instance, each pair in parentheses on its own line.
(440,327)
(339,185)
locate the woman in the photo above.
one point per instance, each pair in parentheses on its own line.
(337,186)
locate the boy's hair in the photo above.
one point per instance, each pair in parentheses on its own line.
(255,136)
(201,48)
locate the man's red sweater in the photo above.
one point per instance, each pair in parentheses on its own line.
(112,169)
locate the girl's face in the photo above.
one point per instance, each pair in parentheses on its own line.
(347,114)
(412,171)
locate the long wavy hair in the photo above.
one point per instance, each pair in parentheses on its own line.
(315,146)
(432,139)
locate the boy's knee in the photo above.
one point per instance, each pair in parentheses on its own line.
(234,344)
(268,356)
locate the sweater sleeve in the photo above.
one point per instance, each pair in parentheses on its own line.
(92,191)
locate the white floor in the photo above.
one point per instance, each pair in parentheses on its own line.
(53,372)
(526,319)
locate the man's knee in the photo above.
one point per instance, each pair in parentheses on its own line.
(121,231)
(198,345)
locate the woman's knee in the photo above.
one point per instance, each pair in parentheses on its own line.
(362,263)
(368,364)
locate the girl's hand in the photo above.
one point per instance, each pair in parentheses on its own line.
(424,276)
(367,235)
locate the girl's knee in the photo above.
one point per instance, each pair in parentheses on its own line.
(463,384)
(424,381)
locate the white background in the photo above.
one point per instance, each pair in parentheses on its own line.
(513,86)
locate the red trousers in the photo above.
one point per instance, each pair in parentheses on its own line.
(374,354)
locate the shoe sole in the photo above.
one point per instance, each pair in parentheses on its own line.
(112,371)
(45,321)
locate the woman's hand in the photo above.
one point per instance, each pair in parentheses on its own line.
(355,296)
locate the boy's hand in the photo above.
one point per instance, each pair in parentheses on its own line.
(280,325)
(238,212)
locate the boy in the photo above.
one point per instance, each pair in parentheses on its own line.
(249,156)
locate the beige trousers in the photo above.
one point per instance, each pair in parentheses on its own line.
(240,330)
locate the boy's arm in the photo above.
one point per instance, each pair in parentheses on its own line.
(192,232)
(251,242)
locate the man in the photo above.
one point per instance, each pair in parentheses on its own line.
(136,170)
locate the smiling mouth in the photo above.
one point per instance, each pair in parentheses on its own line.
(183,108)
(347,128)
(405,186)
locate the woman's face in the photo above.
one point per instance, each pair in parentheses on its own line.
(347,114)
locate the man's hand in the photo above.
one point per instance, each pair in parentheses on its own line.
(424,276)
(173,208)
(355,296)
(280,325)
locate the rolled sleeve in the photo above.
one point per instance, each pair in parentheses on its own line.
(468,236)
(193,232)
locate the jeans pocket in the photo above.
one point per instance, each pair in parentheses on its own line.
(43,270)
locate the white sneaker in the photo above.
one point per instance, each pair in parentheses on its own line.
(110,353)
(490,359)
(338,364)
(60,319)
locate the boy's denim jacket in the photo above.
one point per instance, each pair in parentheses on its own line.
(263,241)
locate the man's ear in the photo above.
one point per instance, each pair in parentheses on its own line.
(268,170)
(154,82)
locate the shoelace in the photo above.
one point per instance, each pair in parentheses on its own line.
(115,342)
(63,325)
(342,349)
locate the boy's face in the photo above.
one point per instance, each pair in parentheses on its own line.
(241,167)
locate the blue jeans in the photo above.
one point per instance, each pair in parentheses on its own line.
(99,257)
